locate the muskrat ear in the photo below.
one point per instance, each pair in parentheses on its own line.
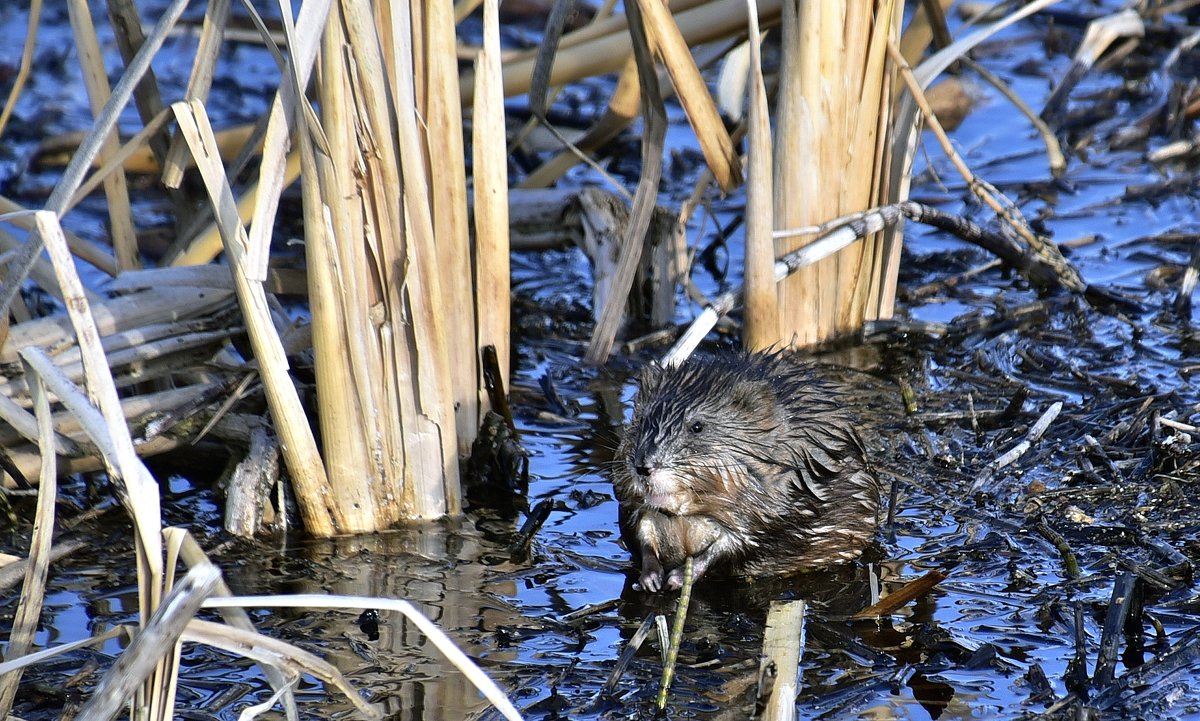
(650,376)
(751,396)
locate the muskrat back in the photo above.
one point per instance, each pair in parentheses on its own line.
(748,461)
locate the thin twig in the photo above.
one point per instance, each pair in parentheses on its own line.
(681,610)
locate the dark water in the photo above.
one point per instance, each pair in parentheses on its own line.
(996,639)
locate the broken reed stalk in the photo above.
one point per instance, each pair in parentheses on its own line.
(299,445)
(783,647)
(833,146)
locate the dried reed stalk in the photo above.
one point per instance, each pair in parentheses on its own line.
(762,304)
(490,166)
(31,33)
(671,47)
(103,420)
(379,326)
(832,146)
(91,60)
(604,46)
(199,82)
(441,112)
(300,448)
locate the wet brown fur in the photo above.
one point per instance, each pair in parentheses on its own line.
(747,462)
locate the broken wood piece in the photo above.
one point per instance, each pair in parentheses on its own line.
(248,508)
(783,647)
(896,599)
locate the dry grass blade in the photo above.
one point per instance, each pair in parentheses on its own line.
(655,122)
(157,637)
(32,659)
(300,448)
(35,19)
(29,608)
(692,92)
(443,642)
(762,301)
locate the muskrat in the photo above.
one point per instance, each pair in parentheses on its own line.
(750,462)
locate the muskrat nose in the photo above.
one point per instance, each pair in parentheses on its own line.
(642,471)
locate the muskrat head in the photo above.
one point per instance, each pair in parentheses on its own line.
(692,427)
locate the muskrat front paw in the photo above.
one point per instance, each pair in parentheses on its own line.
(651,581)
(675,579)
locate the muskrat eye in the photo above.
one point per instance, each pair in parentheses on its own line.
(696,427)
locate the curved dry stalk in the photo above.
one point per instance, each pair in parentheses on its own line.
(439,638)
(1058,162)
(286,658)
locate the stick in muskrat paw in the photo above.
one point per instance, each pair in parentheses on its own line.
(747,462)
